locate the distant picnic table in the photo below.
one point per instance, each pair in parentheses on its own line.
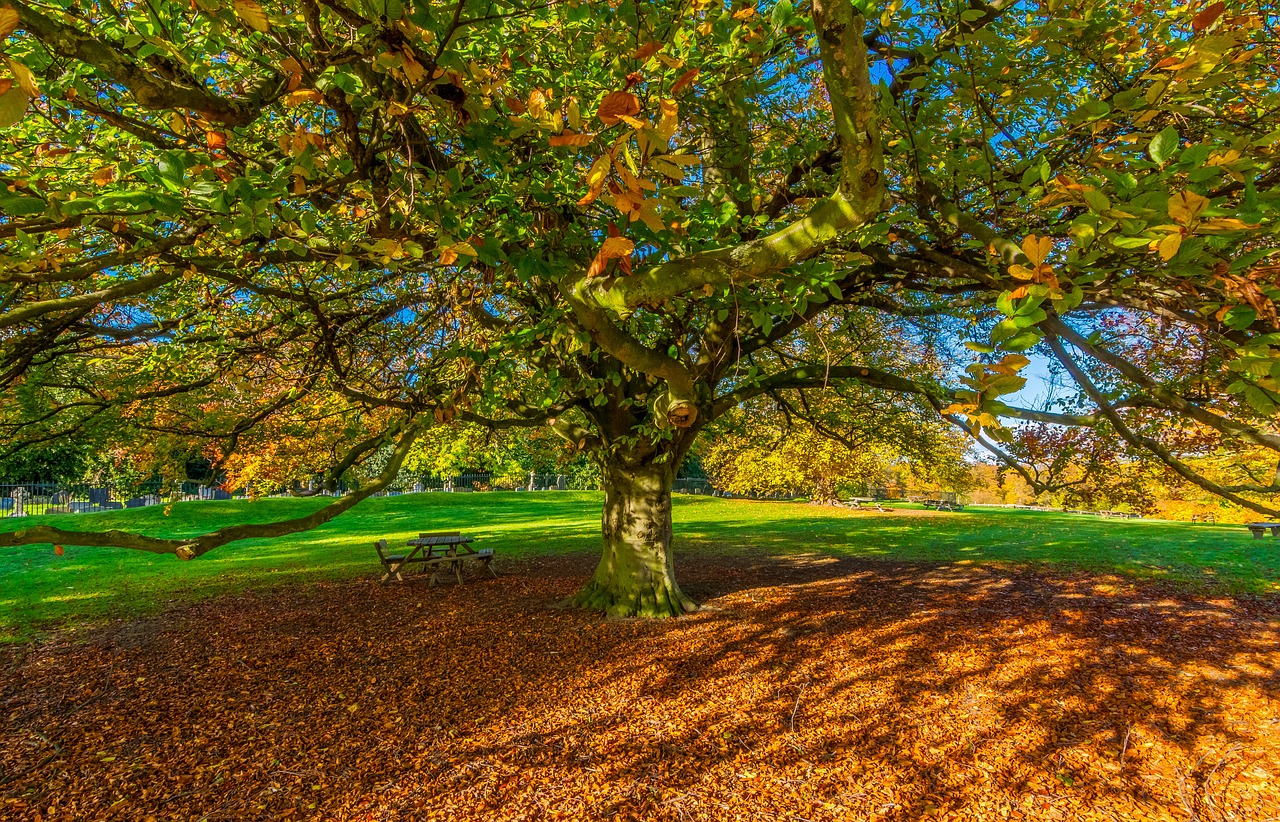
(1258,528)
(439,552)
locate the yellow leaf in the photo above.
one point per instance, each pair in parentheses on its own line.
(1169,246)
(680,159)
(1021,272)
(599,171)
(575,115)
(670,121)
(25,78)
(8,21)
(649,214)
(537,105)
(448,256)
(413,70)
(1225,224)
(1185,206)
(1037,248)
(302,96)
(250,11)
(631,121)
(103,175)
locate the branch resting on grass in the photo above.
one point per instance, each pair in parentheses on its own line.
(192,547)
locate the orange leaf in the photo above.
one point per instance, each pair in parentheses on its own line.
(684,80)
(647,50)
(292,68)
(612,248)
(1208,17)
(57,549)
(5,84)
(448,256)
(215,139)
(516,104)
(616,247)
(571,138)
(8,21)
(103,175)
(616,104)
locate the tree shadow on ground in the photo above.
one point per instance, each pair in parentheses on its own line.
(811,688)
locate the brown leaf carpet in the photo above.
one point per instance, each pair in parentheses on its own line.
(818,689)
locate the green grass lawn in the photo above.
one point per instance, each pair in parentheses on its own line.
(39,589)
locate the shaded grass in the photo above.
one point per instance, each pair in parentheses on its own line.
(38,589)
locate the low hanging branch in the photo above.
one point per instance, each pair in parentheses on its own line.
(1172,401)
(1147,443)
(191,547)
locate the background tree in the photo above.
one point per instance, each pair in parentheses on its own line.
(622,221)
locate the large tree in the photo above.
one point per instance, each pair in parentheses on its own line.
(623,219)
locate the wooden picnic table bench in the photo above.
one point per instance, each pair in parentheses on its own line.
(445,551)
(1258,528)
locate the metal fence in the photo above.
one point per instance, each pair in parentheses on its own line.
(28,499)
(32,498)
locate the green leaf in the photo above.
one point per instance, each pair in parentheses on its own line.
(1260,400)
(783,13)
(1023,341)
(13,105)
(1163,145)
(21,206)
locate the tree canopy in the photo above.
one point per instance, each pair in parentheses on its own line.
(358,218)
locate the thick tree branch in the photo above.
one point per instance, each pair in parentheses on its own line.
(150,91)
(191,547)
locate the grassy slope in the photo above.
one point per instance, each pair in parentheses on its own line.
(38,588)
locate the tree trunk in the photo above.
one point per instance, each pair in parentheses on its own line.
(635,577)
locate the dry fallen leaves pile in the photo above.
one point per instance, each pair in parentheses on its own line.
(819,690)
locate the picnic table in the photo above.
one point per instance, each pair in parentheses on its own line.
(1258,528)
(437,552)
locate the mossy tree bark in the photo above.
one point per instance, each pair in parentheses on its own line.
(636,577)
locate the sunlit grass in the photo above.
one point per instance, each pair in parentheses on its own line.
(38,588)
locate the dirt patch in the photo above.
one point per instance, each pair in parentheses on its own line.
(819,689)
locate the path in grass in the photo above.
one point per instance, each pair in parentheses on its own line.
(816,688)
(39,589)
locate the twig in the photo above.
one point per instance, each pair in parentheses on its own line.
(57,752)
(796,708)
(1124,747)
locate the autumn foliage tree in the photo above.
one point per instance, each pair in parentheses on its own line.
(622,220)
